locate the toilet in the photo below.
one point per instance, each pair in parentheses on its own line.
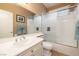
(47,48)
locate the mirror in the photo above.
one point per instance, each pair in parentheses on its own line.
(7,25)
(58,27)
(21,29)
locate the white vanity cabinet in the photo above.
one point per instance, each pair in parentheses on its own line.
(36,50)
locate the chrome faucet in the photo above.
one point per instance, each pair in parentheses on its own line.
(20,38)
(23,37)
(17,39)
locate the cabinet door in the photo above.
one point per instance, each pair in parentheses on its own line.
(38,50)
(28,52)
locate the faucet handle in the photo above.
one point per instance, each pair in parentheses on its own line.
(17,39)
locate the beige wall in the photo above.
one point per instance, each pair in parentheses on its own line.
(36,8)
(15,9)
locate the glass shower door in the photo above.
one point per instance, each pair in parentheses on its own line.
(48,26)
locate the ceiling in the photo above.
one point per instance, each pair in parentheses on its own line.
(47,5)
(38,8)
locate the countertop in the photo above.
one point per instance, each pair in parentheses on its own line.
(12,48)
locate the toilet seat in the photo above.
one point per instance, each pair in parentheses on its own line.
(47,45)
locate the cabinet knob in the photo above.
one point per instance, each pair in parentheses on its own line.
(32,51)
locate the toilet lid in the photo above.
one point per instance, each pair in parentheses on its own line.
(47,45)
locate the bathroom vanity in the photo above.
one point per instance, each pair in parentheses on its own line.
(36,50)
(30,46)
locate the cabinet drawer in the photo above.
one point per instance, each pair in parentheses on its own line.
(37,50)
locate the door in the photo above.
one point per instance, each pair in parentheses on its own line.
(6,24)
